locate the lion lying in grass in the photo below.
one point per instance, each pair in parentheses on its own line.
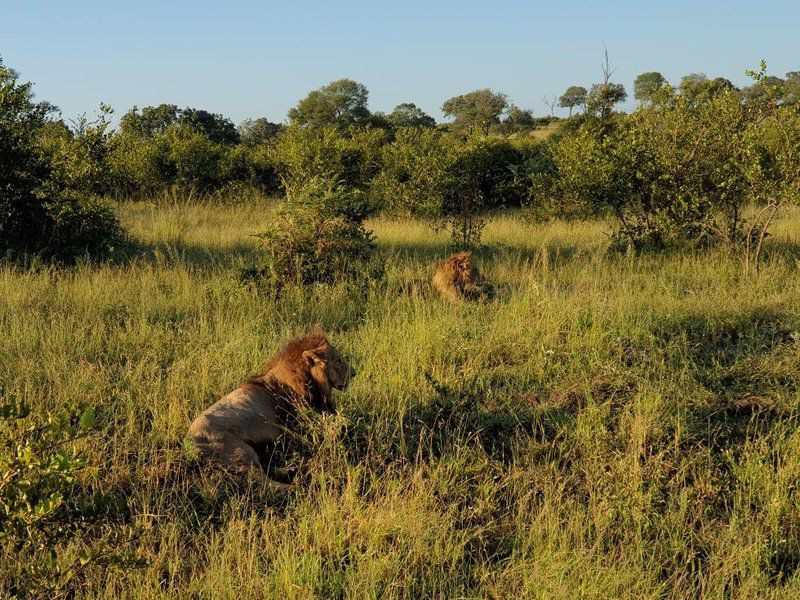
(457,278)
(253,415)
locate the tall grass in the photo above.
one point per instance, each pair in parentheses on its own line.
(609,426)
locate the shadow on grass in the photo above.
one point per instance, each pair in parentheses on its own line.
(746,359)
(195,255)
(781,249)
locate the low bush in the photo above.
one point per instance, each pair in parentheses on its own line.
(48,513)
(317,236)
(302,155)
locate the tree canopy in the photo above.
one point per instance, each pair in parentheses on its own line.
(340,103)
(573,97)
(481,108)
(602,98)
(409,114)
(258,131)
(646,86)
(153,120)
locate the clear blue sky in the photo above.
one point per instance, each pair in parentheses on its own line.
(250,59)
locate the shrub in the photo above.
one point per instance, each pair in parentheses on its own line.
(78,155)
(47,511)
(39,213)
(416,173)
(673,174)
(317,235)
(250,165)
(427,174)
(139,166)
(196,159)
(301,155)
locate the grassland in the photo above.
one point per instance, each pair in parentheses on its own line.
(608,427)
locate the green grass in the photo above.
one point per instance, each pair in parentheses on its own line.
(608,427)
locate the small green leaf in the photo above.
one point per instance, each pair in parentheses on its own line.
(87,419)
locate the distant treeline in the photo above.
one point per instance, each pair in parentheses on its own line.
(680,167)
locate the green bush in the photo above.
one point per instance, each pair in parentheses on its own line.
(78,154)
(318,235)
(196,159)
(302,155)
(250,165)
(41,208)
(453,184)
(416,173)
(48,513)
(671,175)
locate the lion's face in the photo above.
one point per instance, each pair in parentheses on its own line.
(329,368)
(338,372)
(466,272)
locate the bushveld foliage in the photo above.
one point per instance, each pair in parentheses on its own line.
(317,235)
(678,171)
(55,529)
(44,208)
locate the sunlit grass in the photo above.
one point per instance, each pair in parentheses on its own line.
(608,426)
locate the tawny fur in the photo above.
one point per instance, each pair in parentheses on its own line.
(457,278)
(303,373)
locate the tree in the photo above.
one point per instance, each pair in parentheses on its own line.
(519,119)
(481,108)
(697,88)
(574,96)
(551,103)
(259,131)
(602,98)
(768,86)
(409,114)
(340,103)
(149,122)
(215,127)
(647,85)
(792,87)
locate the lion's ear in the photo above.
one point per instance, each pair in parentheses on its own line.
(313,357)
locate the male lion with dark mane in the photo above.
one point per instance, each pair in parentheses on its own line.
(253,415)
(458,277)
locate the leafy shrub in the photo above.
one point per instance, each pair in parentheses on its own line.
(483,177)
(39,213)
(47,513)
(250,165)
(78,154)
(139,166)
(302,155)
(196,159)
(416,173)
(454,185)
(318,235)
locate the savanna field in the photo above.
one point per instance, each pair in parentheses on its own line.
(608,426)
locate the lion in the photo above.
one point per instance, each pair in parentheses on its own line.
(457,278)
(254,415)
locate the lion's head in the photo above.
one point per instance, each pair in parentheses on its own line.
(317,366)
(458,277)
(464,271)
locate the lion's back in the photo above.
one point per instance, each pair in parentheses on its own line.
(248,412)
